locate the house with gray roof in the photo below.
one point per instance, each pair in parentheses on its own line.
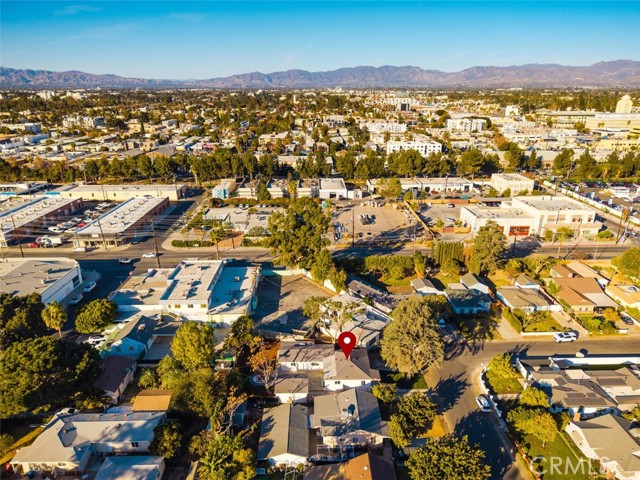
(424,286)
(468,301)
(612,441)
(139,467)
(284,435)
(117,374)
(528,299)
(134,340)
(69,440)
(474,282)
(350,417)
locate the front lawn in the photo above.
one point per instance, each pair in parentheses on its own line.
(417,382)
(567,468)
(502,385)
(541,321)
(597,325)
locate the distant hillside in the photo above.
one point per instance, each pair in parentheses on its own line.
(619,73)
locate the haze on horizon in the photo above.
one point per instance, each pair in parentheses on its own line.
(206,39)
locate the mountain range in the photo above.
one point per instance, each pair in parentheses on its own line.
(618,73)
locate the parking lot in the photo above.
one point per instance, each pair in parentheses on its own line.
(381,223)
(281,301)
(431,213)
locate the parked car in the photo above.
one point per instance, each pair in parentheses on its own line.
(95,339)
(89,286)
(149,255)
(33,245)
(450,205)
(76,300)
(125,260)
(563,337)
(484,403)
(79,249)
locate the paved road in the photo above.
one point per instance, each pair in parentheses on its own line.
(455,386)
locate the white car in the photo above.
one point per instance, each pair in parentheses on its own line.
(149,255)
(484,403)
(95,339)
(89,286)
(563,337)
(125,260)
(76,300)
(79,249)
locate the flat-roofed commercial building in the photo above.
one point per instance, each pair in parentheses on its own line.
(332,188)
(121,224)
(53,278)
(204,290)
(29,218)
(121,193)
(513,181)
(533,215)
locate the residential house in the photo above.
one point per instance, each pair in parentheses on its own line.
(468,302)
(627,295)
(365,321)
(284,435)
(134,340)
(367,466)
(586,392)
(528,299)
(69,440)
(474,282)
(424,286)
(144,467)
(155,400)
(525,281)
(306,369)
(612,441)
(350,417)
(583,295)
(117,374)
(578,270)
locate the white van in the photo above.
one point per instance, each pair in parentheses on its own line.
(79,249)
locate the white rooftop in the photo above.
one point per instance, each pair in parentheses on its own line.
(22,276)
(192,281)
(332,184)
(28,212)
(550,203)
(122,217)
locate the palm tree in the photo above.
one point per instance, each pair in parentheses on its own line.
(217,235)
(54,316)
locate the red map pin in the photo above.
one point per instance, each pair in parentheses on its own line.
(347,342)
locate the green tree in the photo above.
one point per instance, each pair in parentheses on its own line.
(633,415)
(297,235)
(489,249)
(6,442)
(44,371)
(167,440)
(148,378)
(389,187)
(412,341)
(385,392)
(194,345)
(223,457)
(543,426)
(534,397)
(20,318)
(54,317)
(629,262)
(322,266)
(96,315)
(563,163)
(312,307)
(502,367)
(399,431)
(239,335)
(448,458)
(418,412)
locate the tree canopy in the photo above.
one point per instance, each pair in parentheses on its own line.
(194,345)
(54,316)
(223,457)
(44,371)
(448,458)
(297,235)
(489,249)
(96,315)
(20,318)
(629,262)
(412,341)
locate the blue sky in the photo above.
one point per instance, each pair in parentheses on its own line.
(205,39)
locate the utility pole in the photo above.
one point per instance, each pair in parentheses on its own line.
(353,226)
(17,238)
(104,242)
(155,241)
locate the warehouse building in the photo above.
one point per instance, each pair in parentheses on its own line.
(122,193)
(514,182)
(54,279)
(121,224)
(19,219)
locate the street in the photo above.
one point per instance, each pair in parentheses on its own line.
(455,385)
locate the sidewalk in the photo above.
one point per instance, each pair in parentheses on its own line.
(506,331)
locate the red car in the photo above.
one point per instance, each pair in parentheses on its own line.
(33,245)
